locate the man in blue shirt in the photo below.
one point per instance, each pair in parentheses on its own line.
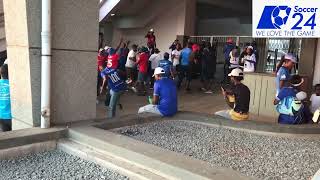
(167,65)
(165,101)
(116,86)
(5,105)
(290,108)
(185,67)
(283,72)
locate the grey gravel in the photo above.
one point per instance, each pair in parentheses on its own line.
(263,157)
(54,165)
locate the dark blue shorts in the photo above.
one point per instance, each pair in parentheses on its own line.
(142,77)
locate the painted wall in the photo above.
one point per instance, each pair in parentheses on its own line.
(167,26)
(225,26)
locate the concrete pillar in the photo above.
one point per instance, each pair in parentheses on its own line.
(187,18)
(307,59)
(316,75)
(75,43)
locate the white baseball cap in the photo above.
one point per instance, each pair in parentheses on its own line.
(301,96)
(236,73)
(250,47)
(159,71)
(291,57)
(151,30)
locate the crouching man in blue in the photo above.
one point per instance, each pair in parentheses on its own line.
(289,103)
(164,101)
(116,86)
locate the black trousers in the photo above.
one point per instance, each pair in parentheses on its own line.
(5,125)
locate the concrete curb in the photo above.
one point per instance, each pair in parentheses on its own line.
(30,136)
(214,120)
(105,160)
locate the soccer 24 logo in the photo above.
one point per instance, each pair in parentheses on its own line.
(276,17)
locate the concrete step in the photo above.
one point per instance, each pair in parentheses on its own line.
(160,163)
(106,160)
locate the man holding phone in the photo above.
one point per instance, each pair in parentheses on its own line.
(238,98)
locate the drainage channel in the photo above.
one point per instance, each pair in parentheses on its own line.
(260,156)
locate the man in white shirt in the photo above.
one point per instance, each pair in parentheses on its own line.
(315,99)
(154,60)
(130,64)
(249,60)
(175,55)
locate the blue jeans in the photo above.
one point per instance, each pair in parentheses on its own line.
(114,100)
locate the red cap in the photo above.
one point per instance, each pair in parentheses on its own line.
(230,40)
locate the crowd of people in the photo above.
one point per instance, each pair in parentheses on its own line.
(138,69)
(142,68)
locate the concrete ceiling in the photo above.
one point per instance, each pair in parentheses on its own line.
(206,8)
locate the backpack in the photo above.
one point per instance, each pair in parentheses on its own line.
(293,107)
(289,106)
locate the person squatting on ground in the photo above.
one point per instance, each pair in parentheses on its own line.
(5,104)
(315,104)
(238,98)
(286,64)
(185,68)
(289,102)
(165,101)
(315,99)
(116,86)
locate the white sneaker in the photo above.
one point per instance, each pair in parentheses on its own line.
(209,92)
(134,89)
(129,81)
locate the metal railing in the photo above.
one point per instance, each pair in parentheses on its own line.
(220,41)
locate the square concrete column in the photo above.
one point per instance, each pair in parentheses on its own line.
(74,42)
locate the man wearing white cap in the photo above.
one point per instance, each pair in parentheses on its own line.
(249,60)
(283,71)
(164,102)
(238,98)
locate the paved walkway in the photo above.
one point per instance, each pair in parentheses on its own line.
(196,101)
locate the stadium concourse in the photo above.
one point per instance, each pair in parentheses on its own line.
(196,101)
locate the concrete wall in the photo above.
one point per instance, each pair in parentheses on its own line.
(316,76)
(225,26)
(167,25)
(75,38)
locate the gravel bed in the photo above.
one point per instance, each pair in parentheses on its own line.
(54,165)
(263,157)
